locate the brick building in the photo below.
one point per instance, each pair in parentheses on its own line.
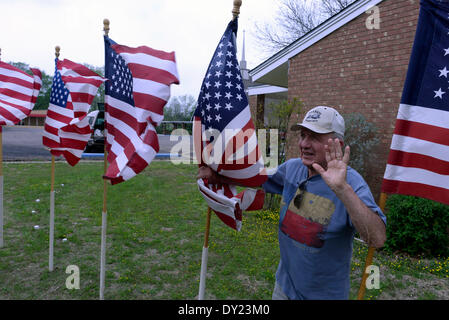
(347,64)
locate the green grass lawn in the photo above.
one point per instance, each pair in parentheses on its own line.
(155,234)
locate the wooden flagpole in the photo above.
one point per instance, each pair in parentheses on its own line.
(370,254)
(235,14)
(1,187)
(52,201)
(104,211)
(1,180)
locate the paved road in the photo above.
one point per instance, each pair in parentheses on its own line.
(25,144)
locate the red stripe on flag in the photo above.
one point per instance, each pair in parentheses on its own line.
(57,116)
(76,67)
(15,94)
(255,181)
(16,106)
(8,115)
(416,189)
(153,74)
(149,102)
(71,158)
(416,160)
(136,162)
(230,222)
(49,143)
(72,143)
(20,82)
(422,131)
(151,139)
(125,117)
(147,50)
(50,129)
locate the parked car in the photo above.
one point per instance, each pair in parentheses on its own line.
(95,144)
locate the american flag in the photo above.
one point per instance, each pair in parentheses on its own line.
(66,128)
(224,135)
(18,93)
(418,163)
(136,92)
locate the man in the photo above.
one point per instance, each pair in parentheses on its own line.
(323,203)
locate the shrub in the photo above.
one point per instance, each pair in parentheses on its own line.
(417,226)
(361,136)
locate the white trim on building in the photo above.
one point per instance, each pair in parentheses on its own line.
(274,71)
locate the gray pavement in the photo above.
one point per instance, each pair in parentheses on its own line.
(24,143)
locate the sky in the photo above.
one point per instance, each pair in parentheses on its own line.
(30,30)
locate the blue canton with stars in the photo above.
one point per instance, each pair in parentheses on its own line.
(222,95)
(59,92)
(120,81)
(427,81)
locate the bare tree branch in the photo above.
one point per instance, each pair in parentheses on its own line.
(293,19)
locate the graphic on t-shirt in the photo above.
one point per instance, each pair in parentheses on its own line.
(307,217)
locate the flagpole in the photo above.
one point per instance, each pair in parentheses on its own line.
(205,253)
(1,179)
(52,200)
(370,254)
(52,215)
(204,257)
(104,212)
(1,186)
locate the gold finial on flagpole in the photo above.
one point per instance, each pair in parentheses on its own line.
(57,49)
(236,9)
(106,27)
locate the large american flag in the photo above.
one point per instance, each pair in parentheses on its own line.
(418,163)
(224,135)
(66,128)
(136,92)
(18,93)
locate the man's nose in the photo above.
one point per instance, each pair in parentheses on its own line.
(304,142)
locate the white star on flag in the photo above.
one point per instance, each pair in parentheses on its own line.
(444,72)
(439,93)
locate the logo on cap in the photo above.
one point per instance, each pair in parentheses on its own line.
(313,116)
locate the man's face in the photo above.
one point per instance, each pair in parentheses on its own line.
(311,147)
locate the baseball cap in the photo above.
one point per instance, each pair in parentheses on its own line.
(322,119)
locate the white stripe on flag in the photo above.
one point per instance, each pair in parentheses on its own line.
(17,88)
(416,175)
(429,116)
(50,136)
(152,88)
(150,61)
(14,111)
(413,145)
(248,172)
(54,123)
(15,74)
(25,104)
(62,111)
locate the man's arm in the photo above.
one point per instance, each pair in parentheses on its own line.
(212,177)
(368,223)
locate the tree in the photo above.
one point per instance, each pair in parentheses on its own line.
(279,118)
(180,108)
(293,19)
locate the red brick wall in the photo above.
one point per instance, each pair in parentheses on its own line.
(359,70)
